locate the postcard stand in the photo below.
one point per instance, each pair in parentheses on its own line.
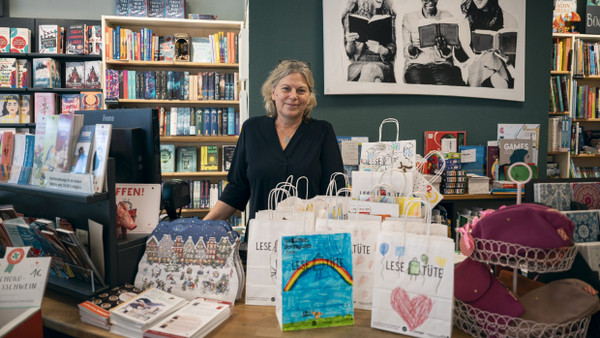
(481,323)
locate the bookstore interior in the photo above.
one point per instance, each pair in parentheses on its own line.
(121,138)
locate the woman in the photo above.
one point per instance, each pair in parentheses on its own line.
(491,68)
(372,60)
(287,141)
(10,109)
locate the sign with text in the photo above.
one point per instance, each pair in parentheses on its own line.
(142,202)
(22,279)
(81,183)
(592,20)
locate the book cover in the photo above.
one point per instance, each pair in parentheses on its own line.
(175,9)
(9,103)
(156,8)
(198,318)
(377,28)
(100,147)
(49,39)
(433,139)
(75,40)
(512,151)
(521,131)
(150,85)
(4,39)
(74,73)
(94,33)
(20,40)
(112,84)
(121,7)
(11,226)
(81,163)
(47,157)
(22,71)
(25,173)
(167,47)
(142,202)
(209,160)
(201,50)
(25,108)
(30,238)
(46,73)
(91,100)
(70,103)
(195,16)
(492,153)
(228,151)
(138,8)
(167,158)
(92,74)
(504,40)
(70,241)
(8,72)
(187,158)
(69,127)
(429,33)
(6,160)
(18,158)
(473,159)
(45,104)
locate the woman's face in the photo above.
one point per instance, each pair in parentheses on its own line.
(12,106)
(291,96)
(429,6)
(377,4)
(480,3)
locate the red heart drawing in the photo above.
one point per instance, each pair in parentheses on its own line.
(414,311)
(365,233)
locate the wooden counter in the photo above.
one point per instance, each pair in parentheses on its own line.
(60,313)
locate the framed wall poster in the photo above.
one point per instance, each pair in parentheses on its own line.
(393,48)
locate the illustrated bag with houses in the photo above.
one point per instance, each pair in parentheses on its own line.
(193,258)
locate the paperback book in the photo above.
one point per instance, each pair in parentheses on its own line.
(8,72)
(69,127)
(76,39)
(50,38)
(167,158)
(70,103)
(20,40)
(429,34)
(101,145)
(96,310)
(187,158)
(81,163)
(74,72)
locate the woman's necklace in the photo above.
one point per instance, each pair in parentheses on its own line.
(287,138)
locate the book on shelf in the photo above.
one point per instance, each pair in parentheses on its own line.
(201,49)
(156,8)
(9,103)
(121,7)
(8,72)
(45,143)
(91,100)
(92,74)
(514,150)
(20,40)
(209,158)
(521,131)
(96,310)
(4,39)
(50,39)
(7,151)
(138,8)
(175,9)
(83,149)
(112,84)
(46,73)
(11,226)
(187,158)
(25,108)
(228,151)
(70,103)
(28,156)
(434,140)
(196,319)
(195,16)
(473,159)
(22,71)
(94,33)
(18,157)
(139,313)
(45,104)
(69,128)
(429,32)
(76,39)
(100,147)
(167,47)
(74,73)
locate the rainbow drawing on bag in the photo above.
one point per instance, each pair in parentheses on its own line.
(315,262)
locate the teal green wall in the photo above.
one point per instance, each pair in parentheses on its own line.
(294,30)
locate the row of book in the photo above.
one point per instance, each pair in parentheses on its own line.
(56,239)
(54,104)
(16,40)
(559,133)
(13,73)
(146,45)
(173,9)
(559,93)
(182,121)
(586,172)
(15,108)
(585,101)
(171,85)
(128,311)
(73,39)
(185,158)
(204,194)
(561,54)
(587,59)
(82,74)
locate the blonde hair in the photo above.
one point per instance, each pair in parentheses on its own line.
(283,69)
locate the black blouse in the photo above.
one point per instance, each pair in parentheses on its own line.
(259,163)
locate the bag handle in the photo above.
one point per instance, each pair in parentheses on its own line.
(408,203)
(273,198)
(421,165)
(390,172)
(333,183)
(390,120)
(388,187)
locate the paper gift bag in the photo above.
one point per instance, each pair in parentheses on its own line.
(414,279)
(261,262)
(363,182)
(364,239)
(314,281)
(423,187)
(377,156)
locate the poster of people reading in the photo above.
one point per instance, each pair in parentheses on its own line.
(428,47)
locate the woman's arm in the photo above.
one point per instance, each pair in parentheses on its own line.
(221,211)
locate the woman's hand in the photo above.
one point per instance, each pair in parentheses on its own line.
(413,51)
(442,46)
(351,37)
(375,47)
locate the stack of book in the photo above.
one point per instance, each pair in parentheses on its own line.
(196,319)
(133,317)
(95,311)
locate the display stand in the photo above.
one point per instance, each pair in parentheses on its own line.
(481,323)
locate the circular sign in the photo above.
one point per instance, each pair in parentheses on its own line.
(15,256)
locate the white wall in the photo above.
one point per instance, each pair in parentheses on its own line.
(93,9)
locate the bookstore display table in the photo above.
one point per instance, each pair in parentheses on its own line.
(60,313)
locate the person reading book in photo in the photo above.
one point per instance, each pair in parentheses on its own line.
(434,62)
(287,141)
(370,40)
(492,65)
(10,109)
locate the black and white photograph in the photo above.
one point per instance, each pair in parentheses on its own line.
(428,47)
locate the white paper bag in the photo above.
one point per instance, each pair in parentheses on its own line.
(377,156)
